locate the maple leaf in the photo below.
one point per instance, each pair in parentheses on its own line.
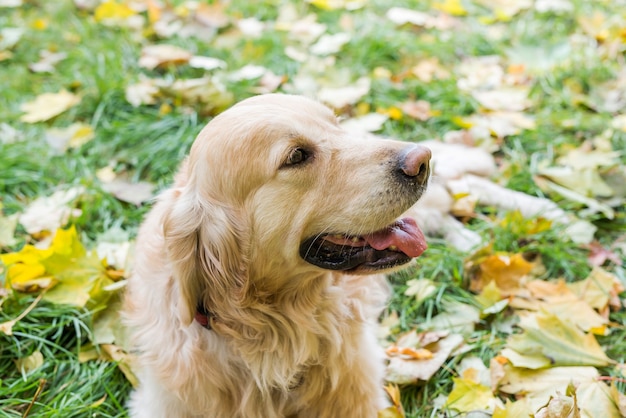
(78,276)
(507,270)
(548,340)
(48,105)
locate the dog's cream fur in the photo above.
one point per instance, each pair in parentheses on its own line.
(288,339)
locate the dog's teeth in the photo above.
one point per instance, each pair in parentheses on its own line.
(338,236)
(356,239)
(393,248)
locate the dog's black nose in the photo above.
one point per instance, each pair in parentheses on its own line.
(414,164)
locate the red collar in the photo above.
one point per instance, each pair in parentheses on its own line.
(203,316)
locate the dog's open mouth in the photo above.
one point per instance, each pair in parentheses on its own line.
(392,246)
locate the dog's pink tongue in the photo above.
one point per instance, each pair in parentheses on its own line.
(404,234)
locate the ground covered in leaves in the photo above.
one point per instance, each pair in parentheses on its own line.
(101,100)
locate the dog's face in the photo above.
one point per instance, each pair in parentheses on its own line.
(305,193)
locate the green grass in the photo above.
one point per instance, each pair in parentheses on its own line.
(149,143)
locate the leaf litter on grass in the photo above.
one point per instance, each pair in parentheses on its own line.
(485,74)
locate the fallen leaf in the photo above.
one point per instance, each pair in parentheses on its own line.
(206,93)
(206,63)
(587,182)
(48,105)
(561,405)
(248,72)
(30,363)
(452,7)
(79,276)
(537,386)
(52,212)
(595,400)
(47,61)
(430,69)
(420,288)
(142,93)
(548,340)
(508,99)
(330,44)
(124,360)
(73,136)
(130,192)
(507,270)
(111,9)
(163,55)
(598,255)
(419,110)
(619,399)
(600,289)
(520,408)
(395,410)
(455,317)
(468,395)
(370,122)
(405,371)
(593,205)
(341,97)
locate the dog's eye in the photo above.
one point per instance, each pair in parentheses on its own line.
(296,156)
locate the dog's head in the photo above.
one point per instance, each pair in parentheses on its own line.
(274,190)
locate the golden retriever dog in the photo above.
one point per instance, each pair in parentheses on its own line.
(257,279)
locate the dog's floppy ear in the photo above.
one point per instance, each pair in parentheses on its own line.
(203,243)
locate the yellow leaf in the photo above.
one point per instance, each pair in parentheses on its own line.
(519,225)
(452,7)
(599,289)
(48,105)
(515,409)
(537,386)
(28,364)
(557,341)
(395,410)
(468,395)
(507,270)
(113,10)
(77,276)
